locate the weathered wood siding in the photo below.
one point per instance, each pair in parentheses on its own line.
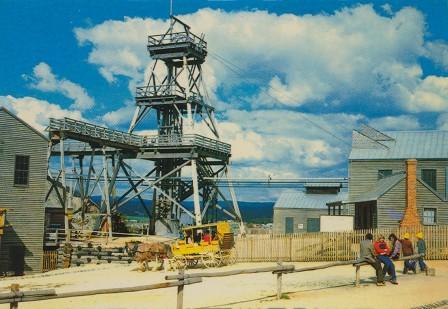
(427,199)
(26,203)
(392,204)
(363,175)
(300,217)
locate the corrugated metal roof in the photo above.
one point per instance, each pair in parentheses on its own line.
(298,199)
(381,187)
(322,185)
(405,145)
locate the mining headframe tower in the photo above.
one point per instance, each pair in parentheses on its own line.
(174,95)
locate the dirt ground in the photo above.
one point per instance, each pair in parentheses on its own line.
(328,288)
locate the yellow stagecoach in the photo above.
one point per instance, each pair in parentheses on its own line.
(212,244)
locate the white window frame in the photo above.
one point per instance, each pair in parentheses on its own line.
(435,215)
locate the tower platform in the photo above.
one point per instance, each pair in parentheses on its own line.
(148,147)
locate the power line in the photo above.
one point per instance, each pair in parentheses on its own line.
(241,73)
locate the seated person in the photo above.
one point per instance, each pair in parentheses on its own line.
(382,251)
(198,236)
(188,238)
(206,238)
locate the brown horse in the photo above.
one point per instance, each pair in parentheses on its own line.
(143,253)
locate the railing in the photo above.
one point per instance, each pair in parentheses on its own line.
(16,296)
(114,136)
(165,90)
(177,37)
(179,281)
(160,90)
(186,140)
(91,130)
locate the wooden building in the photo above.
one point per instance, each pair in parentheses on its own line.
(389,171)
(23,185)
(297,211)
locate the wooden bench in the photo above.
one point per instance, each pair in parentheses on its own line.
(362,263)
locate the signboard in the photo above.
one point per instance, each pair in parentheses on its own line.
(300,226)
(336,223)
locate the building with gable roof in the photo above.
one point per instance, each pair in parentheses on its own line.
(23,186)
(392,171)
(300,211)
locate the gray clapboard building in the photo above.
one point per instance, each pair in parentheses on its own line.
(389,170)
(23,184)
(300,211)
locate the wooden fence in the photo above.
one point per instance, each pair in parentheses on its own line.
(49,260)
(334,246)
(16,296)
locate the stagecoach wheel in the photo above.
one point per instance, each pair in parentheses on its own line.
(208,260)
(219,258)
(192,262)
(181,262)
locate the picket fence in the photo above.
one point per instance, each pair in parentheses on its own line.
(330,246)
(49,260)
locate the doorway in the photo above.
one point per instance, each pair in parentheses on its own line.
(365,215)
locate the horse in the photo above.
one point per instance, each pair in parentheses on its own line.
(143,253)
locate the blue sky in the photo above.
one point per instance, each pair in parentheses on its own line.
(336,63)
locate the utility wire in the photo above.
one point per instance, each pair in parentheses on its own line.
(241,73)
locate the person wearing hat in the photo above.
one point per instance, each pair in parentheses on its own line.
(421,248)
(408,249)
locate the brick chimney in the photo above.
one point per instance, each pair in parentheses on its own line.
(411,217)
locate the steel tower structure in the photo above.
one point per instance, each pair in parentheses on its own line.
(175,98)
(174,94)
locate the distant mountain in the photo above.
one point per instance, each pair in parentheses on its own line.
(252,212)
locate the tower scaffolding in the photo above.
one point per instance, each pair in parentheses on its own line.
(177,103)
(176,99)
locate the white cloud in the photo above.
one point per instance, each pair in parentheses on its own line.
(121,116)
(387,8)
(430,95)
(353,52)
(44,79)
(36,112)
(402,122)
(438,52)
(282,143)
(321,60)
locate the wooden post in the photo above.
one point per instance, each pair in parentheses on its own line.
(14,288)
(279,282)
(180,291)
(357,275)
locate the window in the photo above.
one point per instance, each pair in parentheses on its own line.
(429,176)
(289,225)
(21,171)
(429,216)
(384,173)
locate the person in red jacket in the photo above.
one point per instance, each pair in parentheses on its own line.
(206,238)
(383,251)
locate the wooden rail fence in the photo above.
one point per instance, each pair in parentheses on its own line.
(179,281)
(334,246)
